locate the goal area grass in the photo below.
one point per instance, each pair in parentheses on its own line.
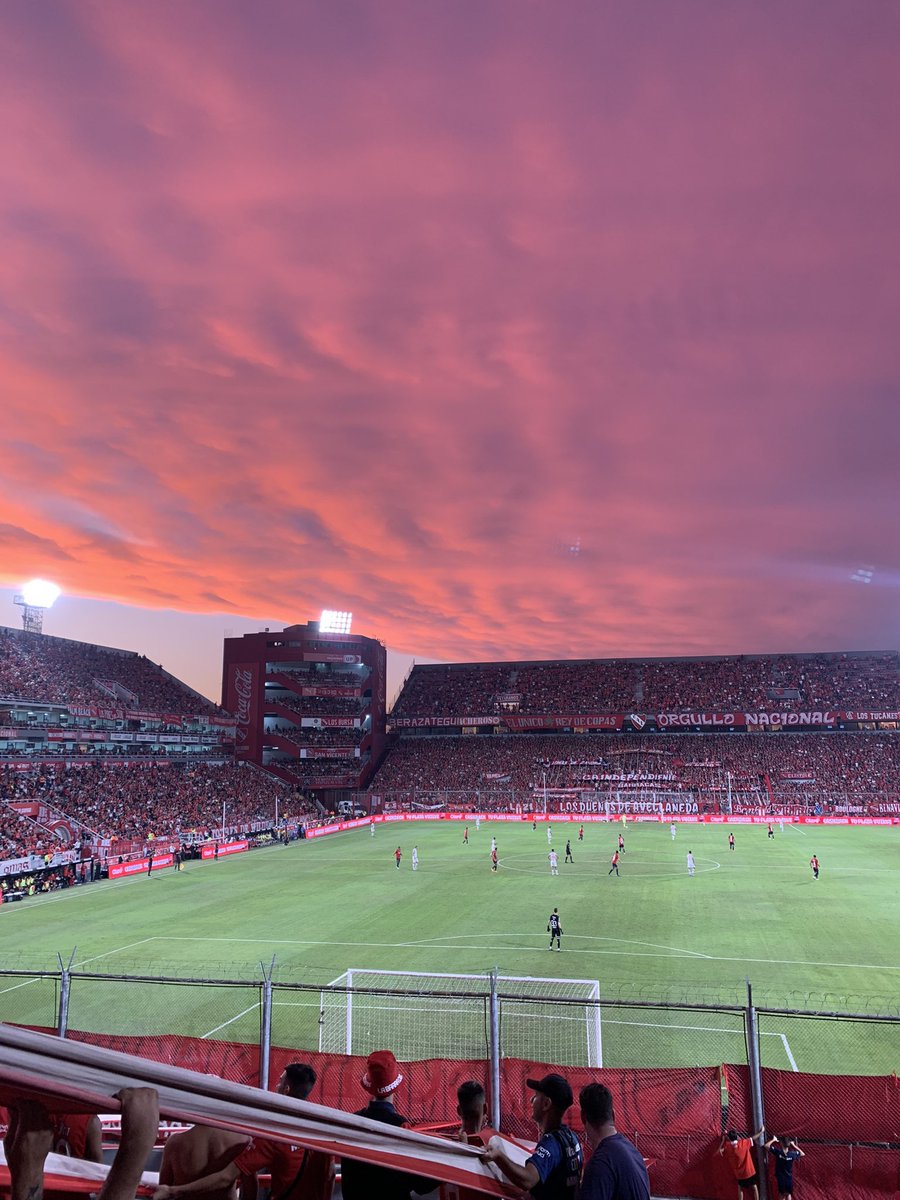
(652,933)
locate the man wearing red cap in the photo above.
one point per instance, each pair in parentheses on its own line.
(362,1181)
(553,1171)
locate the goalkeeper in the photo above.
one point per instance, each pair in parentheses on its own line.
(554,929)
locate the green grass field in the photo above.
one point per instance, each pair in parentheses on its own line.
(652,934)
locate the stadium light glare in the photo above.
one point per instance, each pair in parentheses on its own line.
(334,621)
(40,593)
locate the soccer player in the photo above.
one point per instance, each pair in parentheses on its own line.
(554,862)
(549,835)
(477,823)
(415,858)
(372,828)
(569,857)
(785,1151)
(781,824)
(814,863)
(533,825)
(554,1169)
(730,841)
(554,929)
(581,833)
(621,844)
(493,843)
(771,832)
(466,836)
(690,863)
(494,857)
(398,854)
(672,827)
(614,864)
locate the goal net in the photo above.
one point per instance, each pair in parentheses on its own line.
(427,1015)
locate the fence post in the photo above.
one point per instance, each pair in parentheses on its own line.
(265,1033)
(494,1047)
(756,1091)
(65,983)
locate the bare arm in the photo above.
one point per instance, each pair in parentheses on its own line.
(93,1145)
(524,1177)
(208,1183)
(27,1145)
(140,1125)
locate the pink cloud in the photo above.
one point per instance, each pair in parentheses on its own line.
(393,310)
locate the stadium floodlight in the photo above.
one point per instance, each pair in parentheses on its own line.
(34,599)
(333,621)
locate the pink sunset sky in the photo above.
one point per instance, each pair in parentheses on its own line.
(520,329)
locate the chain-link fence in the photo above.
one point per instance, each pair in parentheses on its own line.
(680,1072)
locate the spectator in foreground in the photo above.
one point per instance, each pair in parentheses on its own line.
(785,1152)
(296,1171)
(553,1171)
(738,1155)
(77,1135)
(30,1140)
(471,1105)
(615,1170)
(360,1180)
(200,1151)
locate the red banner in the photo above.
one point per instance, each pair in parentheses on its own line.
(519,721)
(223,849)
(139,866)
(335,692)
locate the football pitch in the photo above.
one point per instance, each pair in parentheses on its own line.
(651,934)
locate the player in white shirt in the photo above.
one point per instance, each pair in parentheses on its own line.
(672,827)
(415,858)
(549,835)
(554,862)
(690,863)
(478,823)
(493,843)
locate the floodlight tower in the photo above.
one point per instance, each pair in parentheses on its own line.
(34,599)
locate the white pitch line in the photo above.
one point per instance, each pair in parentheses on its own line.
(787,1051)
(16,986)
(230,1021)
(118,950)
(482,946)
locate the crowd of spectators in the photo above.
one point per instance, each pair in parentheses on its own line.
(317,737)
(54,670)
(136,800)
(318,706)
(791,683)
(789,764)
(20,836)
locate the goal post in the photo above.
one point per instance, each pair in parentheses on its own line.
(422,1014)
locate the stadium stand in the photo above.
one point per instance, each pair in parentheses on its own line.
(797,769)
(135,799)
(41,668)
(796,682)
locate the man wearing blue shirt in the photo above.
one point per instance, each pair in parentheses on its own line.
(552,1172)
(615,1170)
(785,1152)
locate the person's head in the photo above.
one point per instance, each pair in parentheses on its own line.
(732,1135)
(552,1097)
(382,1076)
(471,1105)
(297,1080)
(785,1141)
(556,910)
(596,1105)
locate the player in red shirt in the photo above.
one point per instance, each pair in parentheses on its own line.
(621,843)
(614,864)
(581,833)
(466,836)
(731,841)
(494,859)
(398,854)
(814,863)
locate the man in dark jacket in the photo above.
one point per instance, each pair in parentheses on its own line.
(362,1181)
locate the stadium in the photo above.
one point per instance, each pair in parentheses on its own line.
(725,831)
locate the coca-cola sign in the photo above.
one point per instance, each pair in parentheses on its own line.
(242,683)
